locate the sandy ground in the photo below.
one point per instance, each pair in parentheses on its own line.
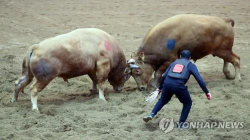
(66,113)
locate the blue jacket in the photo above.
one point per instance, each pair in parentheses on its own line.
(179,69)
(166,80)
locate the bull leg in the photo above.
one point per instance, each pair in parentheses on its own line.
(226,71)
(103,69)
(94,83)
(33,96)
(101,93)
(35,88)
(157,77)
(158,74)
(234,60)
(20,84)
(236,64)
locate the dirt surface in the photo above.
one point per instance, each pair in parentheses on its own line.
(65,111)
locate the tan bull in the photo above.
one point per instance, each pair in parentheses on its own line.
(202,35)
(88,51)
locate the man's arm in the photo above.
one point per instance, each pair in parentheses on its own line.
(164,77)
(197,76)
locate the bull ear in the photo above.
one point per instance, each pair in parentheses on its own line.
(142,56)
(133,55)
(127,70)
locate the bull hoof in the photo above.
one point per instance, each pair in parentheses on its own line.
(13,100)
(102,98)
(93,91)
(35,110)
(236,80)
(230,77)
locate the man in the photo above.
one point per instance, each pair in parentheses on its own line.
(173,82)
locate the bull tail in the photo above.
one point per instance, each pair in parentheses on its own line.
(229,20)
(28,57)
(27,76)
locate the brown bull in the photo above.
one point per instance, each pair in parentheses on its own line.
(89,51)
(202,35)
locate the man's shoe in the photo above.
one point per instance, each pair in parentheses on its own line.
(148,117)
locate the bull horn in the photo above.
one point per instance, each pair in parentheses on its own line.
(133,54)
(133,66)
(143,58)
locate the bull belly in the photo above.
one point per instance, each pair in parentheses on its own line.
(72,74)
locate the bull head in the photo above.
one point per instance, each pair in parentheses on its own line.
(141,71)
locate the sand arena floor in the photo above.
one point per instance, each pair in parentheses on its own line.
(66,113)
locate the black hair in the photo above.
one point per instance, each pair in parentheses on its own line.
(185,54)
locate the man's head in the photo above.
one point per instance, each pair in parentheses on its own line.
(185,54)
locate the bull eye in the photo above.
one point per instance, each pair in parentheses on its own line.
(126,77)
(137,71)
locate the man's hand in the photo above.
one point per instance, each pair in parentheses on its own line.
(159,91)
(208,96)
(153,95)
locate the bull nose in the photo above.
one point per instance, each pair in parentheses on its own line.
(118,89)
(142,88)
